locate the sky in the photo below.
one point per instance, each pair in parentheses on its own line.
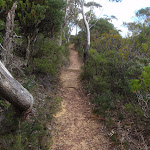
(124,11)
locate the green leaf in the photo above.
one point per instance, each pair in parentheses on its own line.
(135,85)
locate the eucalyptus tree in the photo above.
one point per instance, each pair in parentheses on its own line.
(64,23)
(34,17)
(10,89)
(143,14)
(70,18)
(28,16)
(86,22)
(140,31)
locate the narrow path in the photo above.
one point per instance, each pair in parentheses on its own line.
(74,128)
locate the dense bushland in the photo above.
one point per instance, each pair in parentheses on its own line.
(117,76)
(40,77)
(36,61)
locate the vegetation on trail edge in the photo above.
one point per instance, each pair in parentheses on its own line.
(116,75)
(41,80)
(35,61)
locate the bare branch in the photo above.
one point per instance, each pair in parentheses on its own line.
(2,47)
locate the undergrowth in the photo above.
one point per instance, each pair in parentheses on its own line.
(40,78)
(49,58)
(117,78)
(34,132)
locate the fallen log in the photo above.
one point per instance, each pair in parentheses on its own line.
(21,100)
(13,91)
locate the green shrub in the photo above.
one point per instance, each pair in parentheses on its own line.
(141,87)
(44,65)
(106,71)
(113,76)
(108,75)
(50,57)
(104,103)
(30,84)
(35,132)
(134,109)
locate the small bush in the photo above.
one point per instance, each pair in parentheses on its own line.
(44,65)
(35,132)
(108,75)
(103,103)
(50,57)
(141,87)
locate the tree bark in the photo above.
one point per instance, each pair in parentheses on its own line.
(60,38)
(28,49)
(8,39)
(87,32)
(14,92)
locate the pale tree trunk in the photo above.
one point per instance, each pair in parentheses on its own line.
(60,38)
(28,49)
(69,37)
(87,33)
(76,29)
(76,18)
(12,91)
(8,39)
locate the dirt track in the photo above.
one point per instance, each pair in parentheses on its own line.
(74,128)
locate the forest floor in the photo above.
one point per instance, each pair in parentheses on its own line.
(75,127)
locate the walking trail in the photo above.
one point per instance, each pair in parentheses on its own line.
(74,126)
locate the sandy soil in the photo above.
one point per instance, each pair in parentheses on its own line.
(75,128)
